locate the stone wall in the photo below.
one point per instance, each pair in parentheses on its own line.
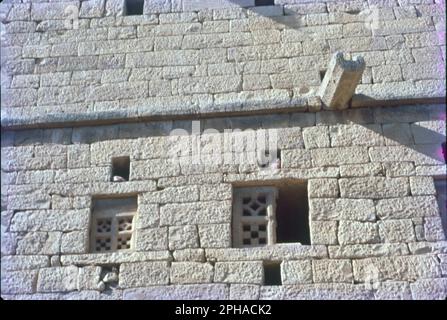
(82,83)
(84,61)
(375,227)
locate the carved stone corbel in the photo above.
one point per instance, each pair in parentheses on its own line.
(339,83)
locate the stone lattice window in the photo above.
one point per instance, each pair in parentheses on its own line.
(113,224)
(254,216)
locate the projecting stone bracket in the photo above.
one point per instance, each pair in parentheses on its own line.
(341,79)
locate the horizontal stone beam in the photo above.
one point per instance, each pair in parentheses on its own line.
(340,81)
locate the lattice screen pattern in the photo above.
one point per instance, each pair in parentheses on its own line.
(254,221)
(112,224)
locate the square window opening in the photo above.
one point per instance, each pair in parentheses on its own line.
(441,197)
(133,7)
(259,3)
(272,274)
(112,224)
(444,151)
(269,159)
(322,74)
(120,169)
(269,214)
(292,214)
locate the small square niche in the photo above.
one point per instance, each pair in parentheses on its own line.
(134,7)
(120,169)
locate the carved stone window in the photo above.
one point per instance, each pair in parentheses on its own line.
(265,215)
(113,224)
(254,216)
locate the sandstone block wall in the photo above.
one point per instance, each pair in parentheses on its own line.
(83,83)
(376,231)
(70,61)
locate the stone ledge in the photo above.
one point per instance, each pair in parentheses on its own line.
(239,104)
(274,252)
(114,258)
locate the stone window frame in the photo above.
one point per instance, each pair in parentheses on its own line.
(245,226)
(116,226)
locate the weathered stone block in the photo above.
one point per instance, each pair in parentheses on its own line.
(115,257)
(406,268)
(151,239)
(170,195)
(356,135)
(393,290)
(322,188)
(152,169)
(323,232)
(353,232)
(148,216)
(433,229)
(244,292)
(316,137)
(296,272)
(429,289)
(397,133)
(89,278)
(215,192)
(215,235)
(179,292)
(401,230)
(429,131)
(239,272)
(58,279)
(196,213)
(422,186)
(143,274)
(92,9)
(18,282)
(191,272)
(373,187)
(181,237)
(367,250)
(50,220)
(188,255)
(39,243)
(74,242)
(332,271)
(407,207)
(296,159)
(28,262)
(339,156)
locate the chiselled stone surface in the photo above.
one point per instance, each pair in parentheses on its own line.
(239,272)
(59,279)
(353,232)
(342,209)
(296,272)
(407,207)
(191,272)
(82,83)
(339,83)
(332,271)
(374,187)
(18,282)
(367,250)
(408,268)
(143,273)
(176,292)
